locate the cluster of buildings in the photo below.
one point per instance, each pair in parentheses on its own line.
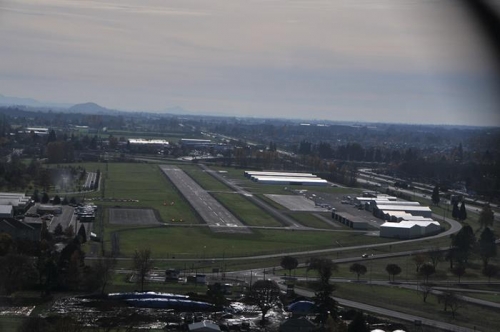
(12,204)
(285,178)
(403,219)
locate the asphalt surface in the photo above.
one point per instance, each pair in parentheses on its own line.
(281,217)
(213,213)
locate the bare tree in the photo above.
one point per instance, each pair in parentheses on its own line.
(418,259)
(459,271)
(435,255)
(426,289)
(265,295)
(142,265)
(103,267)
(451,301)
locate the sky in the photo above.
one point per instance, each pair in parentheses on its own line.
(403,61)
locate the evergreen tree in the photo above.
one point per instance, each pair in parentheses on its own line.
(435,196)
(463,212)
(487,246)
(57,200)
(455,213)
(358,324)
(463,242)
(45,198)
(82,233)
(486,217)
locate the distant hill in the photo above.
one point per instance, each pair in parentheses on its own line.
(91,108)
(29,102)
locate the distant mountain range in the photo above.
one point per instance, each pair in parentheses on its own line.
(29,103)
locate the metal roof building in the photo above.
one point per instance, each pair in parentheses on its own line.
(409,229)
(350,220)
(250,174)
(385,211)
(290,181)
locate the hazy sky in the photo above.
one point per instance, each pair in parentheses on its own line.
(410,61)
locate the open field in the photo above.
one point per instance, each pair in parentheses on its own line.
(145,183)
(310,220)
(246,211)
(132,217)
(199,242)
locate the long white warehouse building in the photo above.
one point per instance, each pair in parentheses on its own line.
(290,180)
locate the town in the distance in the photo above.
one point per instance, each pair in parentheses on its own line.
(124,221)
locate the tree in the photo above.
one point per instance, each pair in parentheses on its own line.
(69,231)
(455,212)
(463,242)
(426,289)
(487,246)
(435,255)
(289,263)
(418,259)
(5,243)
(142,264)
(451,301)
(104,269)
(358,324)
(357,268)
(486,217)
(57,200)
(58,230)
(427,270)
(265,295)
(490,271)
(393,270)
(82,234)
(16,272)
(45,198)
(435,196)
(459,271)
(36,196)
(463,212)
(323,294)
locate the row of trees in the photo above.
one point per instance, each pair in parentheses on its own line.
(37,265)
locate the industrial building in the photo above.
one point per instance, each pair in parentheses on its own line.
(13,203)
(350,220)
(386,211)
(290,181)
(150,142)
(409,229)
(284,178)
(250,174)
